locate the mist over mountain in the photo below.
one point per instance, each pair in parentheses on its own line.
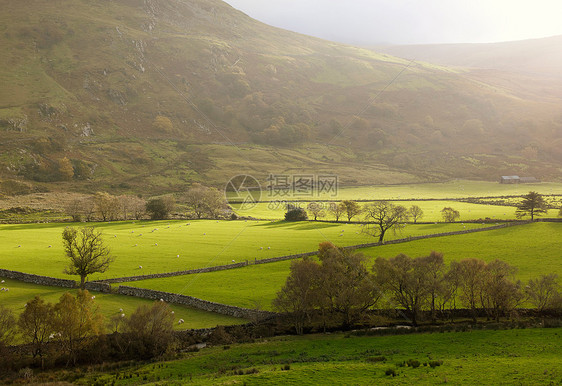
(151,95)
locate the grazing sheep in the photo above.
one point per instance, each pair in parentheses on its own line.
(261,248)
(178,256)
(233,261)
(93,297)
(181,321)
(122,315)
(3,281)
(268,247)
(121,310)
(161,300)
(155,244)
(140,266)
(173,312)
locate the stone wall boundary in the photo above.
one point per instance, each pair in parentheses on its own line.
(37,279)
(190,301)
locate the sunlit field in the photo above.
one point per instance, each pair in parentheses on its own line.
(534,249)
(109,305)
(529,356)
(167,246)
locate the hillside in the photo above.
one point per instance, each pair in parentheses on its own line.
(148,96)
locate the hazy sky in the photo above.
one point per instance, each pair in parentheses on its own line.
(411,21)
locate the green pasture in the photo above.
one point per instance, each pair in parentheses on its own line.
(431,209)
(254,286)
(478,357)
(535,249)
(156,245)
(109,304)
(445,190)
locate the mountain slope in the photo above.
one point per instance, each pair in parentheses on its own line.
(130,94)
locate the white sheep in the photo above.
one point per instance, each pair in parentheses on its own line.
(155,244)
(181,321)
(122,315)
(233,261)
(121,310)
(3,281)
(140,266)
(161,300)
(178,256)
(261,248)
(93,297)
(268,247)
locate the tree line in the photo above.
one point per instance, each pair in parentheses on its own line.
(197,202)
(340,286)
(73,331)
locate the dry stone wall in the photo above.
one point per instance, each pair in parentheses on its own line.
(37,279)
(190,301)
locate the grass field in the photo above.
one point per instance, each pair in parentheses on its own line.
(37,248)
(451,189)
(535,249)
(484,357)
(431,209)
(109,304)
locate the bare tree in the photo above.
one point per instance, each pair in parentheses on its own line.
(36,324)
(532,204)
(316,210)
(337,210)
(202,201)
(449,214)
(300,294)
(106,205)
(87,252)
(150,329)
(500,292)
(542,291)
(352,209)
(415,212)
(137,207)
(471,275)
(75,209)
(382,216)
(347,286)
(76,320)
(434,267)
(7,326)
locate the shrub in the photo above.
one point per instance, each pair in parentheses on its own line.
(297,214)
(434,364)
(413,363)
(391,372)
